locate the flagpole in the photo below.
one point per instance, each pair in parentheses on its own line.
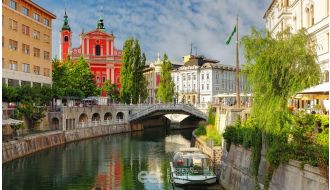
(238,98)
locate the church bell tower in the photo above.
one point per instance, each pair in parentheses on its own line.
(65,39)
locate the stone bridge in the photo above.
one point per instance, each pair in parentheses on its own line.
(67,118)
(163,109)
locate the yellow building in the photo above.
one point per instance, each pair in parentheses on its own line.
(26,43)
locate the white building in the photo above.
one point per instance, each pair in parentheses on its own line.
(297,14)
(200,79)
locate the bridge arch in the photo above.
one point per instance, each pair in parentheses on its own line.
(83,118)
(96,117)
(120,116)
(107,116)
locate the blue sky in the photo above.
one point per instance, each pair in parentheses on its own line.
(165,26)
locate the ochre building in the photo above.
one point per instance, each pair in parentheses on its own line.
(26,43)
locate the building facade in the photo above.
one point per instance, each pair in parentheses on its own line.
(97,48)
(200,79)
(152,75)
(26,43)
(312,15)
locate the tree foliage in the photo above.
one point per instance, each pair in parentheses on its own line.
(73,79)
(277,69)
(133,83)
(112,91)
(165,90)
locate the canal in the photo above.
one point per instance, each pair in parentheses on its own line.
(110,162)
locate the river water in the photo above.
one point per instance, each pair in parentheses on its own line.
(137,160)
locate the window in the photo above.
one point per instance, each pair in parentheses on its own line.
(46,38)
(183,77)
(189,77)
(36,34)
(194,87)
(13,24)
(3,63)
(26,49)
(177,78)
(97,50)
(25,11)
(26,67)
(66,38)
(46,72)
(13,45)
(202,76)
(13,65)
(312,15)
(46,22)
(202,86)
(36,70)
(97,79)
(3,41)
(207,76)
(194,76)
(103,79)
(207,86)
(36,17)
(25,30)
(12,4)
(36,52)
(46,55)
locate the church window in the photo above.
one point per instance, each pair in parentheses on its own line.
(97,50)
(66,38)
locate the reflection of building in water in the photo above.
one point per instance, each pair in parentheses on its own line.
(111,178)
(173,142)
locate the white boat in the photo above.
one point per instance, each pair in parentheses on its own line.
(191,167)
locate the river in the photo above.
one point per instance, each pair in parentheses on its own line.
(110,162)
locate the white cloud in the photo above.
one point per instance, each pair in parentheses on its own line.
(164,26)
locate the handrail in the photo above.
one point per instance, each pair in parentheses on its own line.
(184,107)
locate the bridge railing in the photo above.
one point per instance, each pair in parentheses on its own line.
(175,107)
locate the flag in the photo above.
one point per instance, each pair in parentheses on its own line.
(231,35)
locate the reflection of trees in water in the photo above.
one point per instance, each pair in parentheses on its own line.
(110,161)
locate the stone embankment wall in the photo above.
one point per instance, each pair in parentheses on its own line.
(28,145)
(214,153)
(236,173)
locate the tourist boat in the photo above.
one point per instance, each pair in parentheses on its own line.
(191,167)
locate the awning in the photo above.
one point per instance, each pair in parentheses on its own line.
(226,95)
(318,89)
(11,121)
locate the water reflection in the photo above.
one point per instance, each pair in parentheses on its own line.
(112,162)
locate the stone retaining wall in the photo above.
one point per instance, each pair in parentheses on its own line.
(236,173)
(214,154)
(19,148)
(28,145)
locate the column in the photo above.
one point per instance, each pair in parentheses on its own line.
(108,47)
(112,75)
(108,74)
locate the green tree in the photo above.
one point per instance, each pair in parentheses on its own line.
(126,71)
(83,79)
(133,82)
(9,94)
(165,91)
(111,90)
(73,79)
(277,69)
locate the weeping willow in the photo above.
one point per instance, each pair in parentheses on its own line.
(277,68)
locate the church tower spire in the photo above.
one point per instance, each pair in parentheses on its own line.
(65,38)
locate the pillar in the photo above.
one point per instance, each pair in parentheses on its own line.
(112,75)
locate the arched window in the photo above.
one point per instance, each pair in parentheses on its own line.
(66,38)
(312,15)
(97,50)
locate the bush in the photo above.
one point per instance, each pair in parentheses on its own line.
(200,130)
